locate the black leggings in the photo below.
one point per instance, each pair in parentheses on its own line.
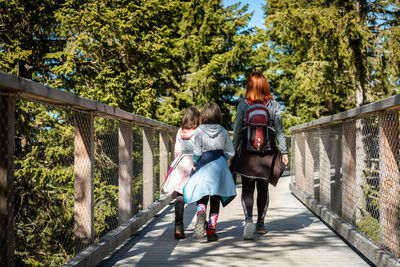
(179,208)
(248,186)
(214,203)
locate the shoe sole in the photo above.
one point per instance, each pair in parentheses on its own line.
(199,228)
(261,232)
(249,230)
(179,235)
(212,239)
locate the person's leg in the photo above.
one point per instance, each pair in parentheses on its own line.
(201,205)
(212,222)
(248,186)
(262,204)
(179,208)
(199,228)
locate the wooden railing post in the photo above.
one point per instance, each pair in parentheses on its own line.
(389,199)
(349,171)
(148,166)
(360,180)
(293,159)
(336,182)
(84,175)
(309,164)
(7,125)
(125,207)
(163,155)
(299,157)
(325,168)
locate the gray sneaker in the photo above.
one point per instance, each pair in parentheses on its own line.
(200,227)
(260,228)
(248,233)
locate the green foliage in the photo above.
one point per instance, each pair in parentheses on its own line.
(330,56)
(28,38)
(213,49)
(156,58)
(370,227)
(44,186)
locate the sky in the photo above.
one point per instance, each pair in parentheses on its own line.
(254,6)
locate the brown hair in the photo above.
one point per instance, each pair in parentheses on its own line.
(210,114)
(191,119)
(258,88)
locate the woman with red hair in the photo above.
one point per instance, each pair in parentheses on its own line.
(257,159)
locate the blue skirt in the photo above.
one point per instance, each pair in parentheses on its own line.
(211,177)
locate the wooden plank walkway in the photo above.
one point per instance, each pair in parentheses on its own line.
(295,238)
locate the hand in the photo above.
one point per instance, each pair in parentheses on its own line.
(285,160)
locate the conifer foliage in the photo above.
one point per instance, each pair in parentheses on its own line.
(329,56)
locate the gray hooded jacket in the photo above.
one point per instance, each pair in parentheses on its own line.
(212,137)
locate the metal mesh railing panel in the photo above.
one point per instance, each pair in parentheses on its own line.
(156,166)
(389,182)
(44,185)
(137,166)
(356,173)
(105,176)
(366,178)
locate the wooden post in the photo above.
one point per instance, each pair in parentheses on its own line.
(125,207)
(84,175)
(325,168)
(349,171)
(309,164)
(148,166)
(389,199)
(163,156)
(299,170)
(335,183)
(292,158)
(360,181)
(7,125)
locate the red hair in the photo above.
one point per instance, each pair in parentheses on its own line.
(258,88)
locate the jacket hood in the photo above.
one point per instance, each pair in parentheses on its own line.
(212,130)
(186,134)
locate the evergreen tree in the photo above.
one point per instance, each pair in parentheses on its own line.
(213,49)
(326,55)
(27,37)
(116,50)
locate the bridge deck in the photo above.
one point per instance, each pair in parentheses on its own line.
(296,238)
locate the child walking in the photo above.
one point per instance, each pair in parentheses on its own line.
(211,179)
(180,169)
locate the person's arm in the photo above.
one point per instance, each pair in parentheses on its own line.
(278,125)
(230,150)
(198,146)
(177,149)
(237,128)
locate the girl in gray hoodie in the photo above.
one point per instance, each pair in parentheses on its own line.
(211,179)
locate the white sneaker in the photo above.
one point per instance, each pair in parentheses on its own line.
(249,229)
(200,227)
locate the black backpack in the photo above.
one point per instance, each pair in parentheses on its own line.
(258,135)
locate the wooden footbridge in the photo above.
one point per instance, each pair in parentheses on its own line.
(296,237)
(79,186)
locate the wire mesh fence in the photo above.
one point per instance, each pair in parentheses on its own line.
(69,183)
(352,168)
(105,176)
(44,184)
